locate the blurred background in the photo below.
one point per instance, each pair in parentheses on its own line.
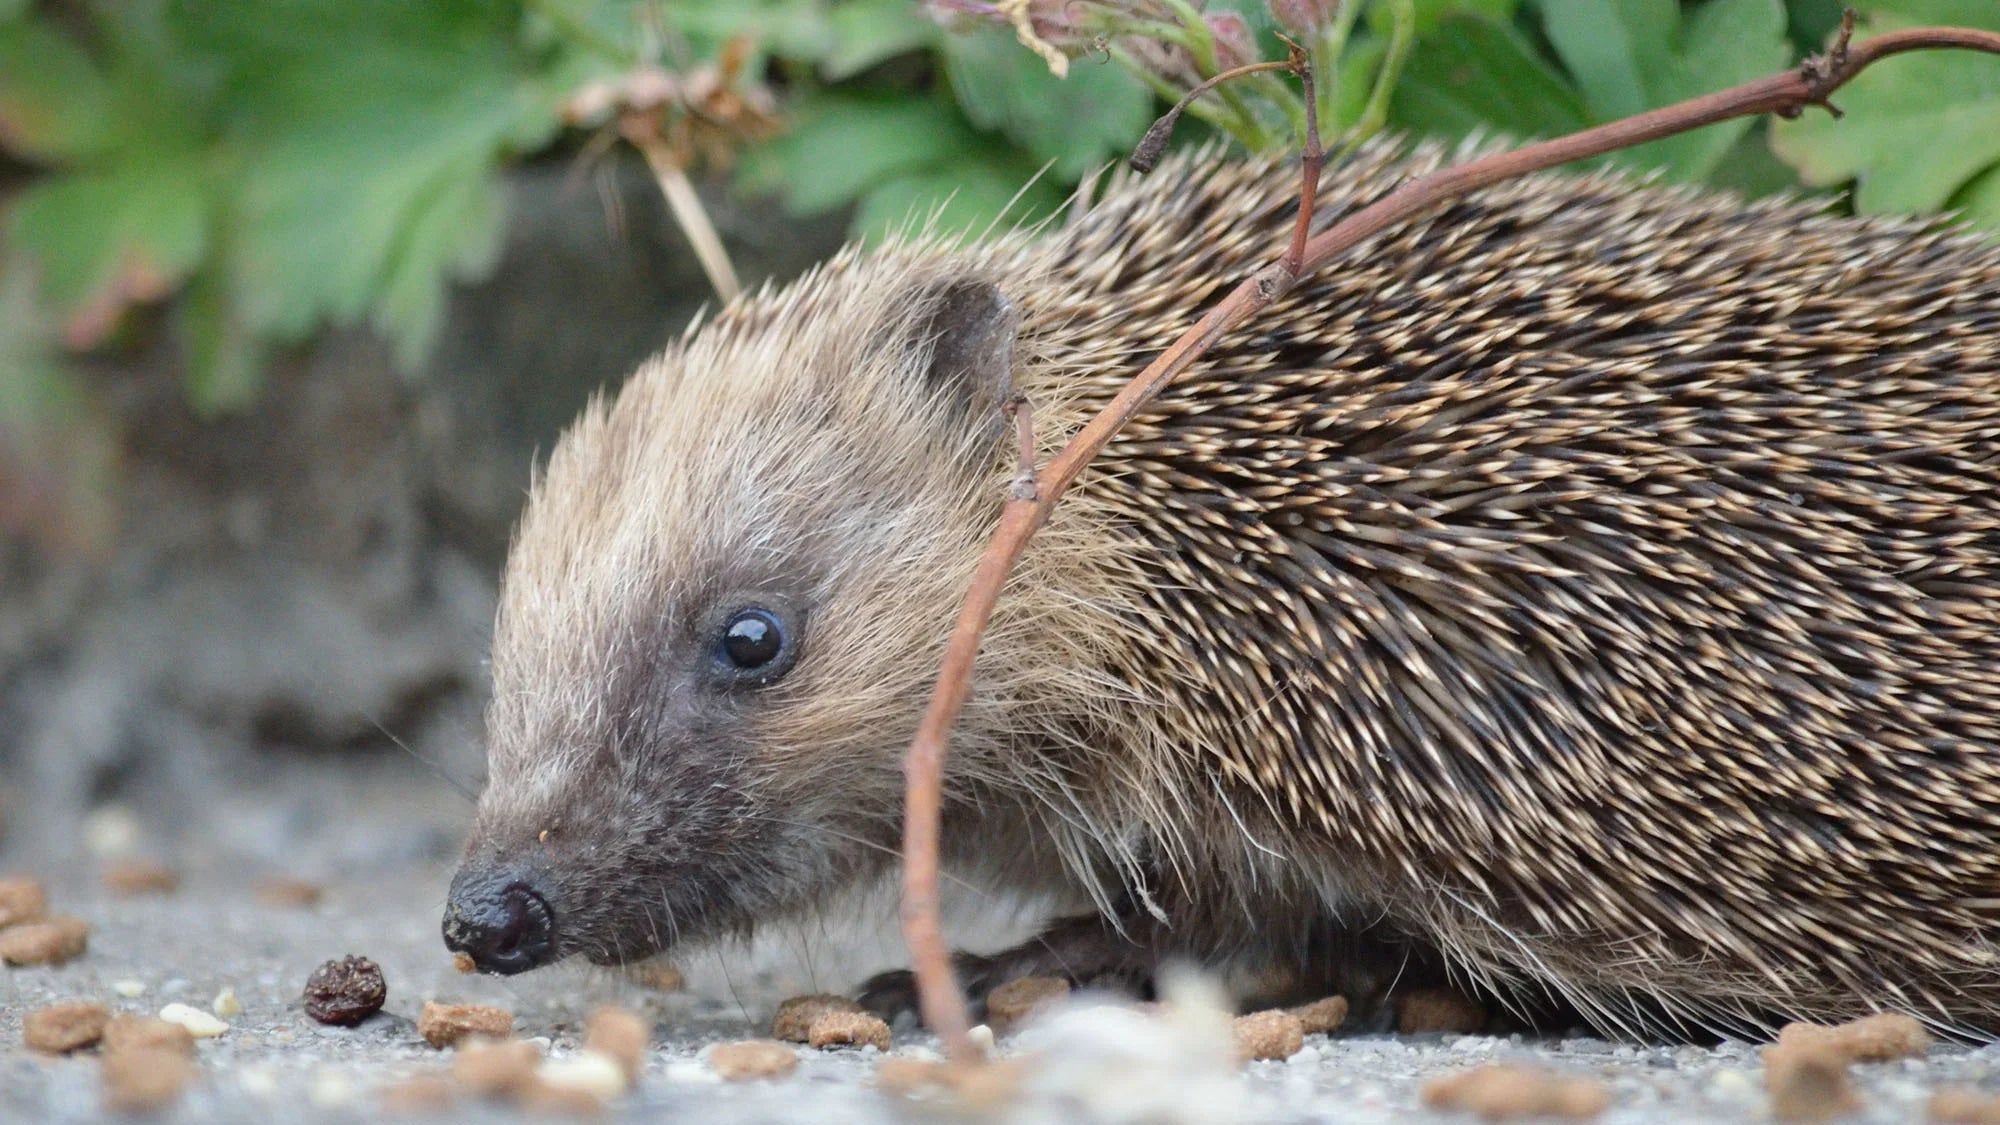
(293,294)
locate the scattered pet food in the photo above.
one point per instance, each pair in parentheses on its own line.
(795,1017)
(288,893)
(753,1059)
(53,940)
(1425,1010)
(130,877)
(200,1024)
(345,992)
(1009,1005)
(1878,1038)
(984,1086)
(144,1033)
(444,1025)
(419,1095)
(595,1073)
(661,976)
(1808,1081)
(144,1079)
(488,1068)
(464,963)
(226,1004)
(1961,1106)
(1499,1093)
(622,1036)
(61,1028)
(848,1029)
(21,900)
(1322,1017)
(1268,1035)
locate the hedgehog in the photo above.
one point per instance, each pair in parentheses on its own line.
(1587,595)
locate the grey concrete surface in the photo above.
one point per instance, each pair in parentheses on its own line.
(274,1064)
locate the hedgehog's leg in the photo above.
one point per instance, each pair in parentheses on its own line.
(1087,950)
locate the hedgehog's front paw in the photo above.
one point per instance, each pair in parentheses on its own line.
(1087,951)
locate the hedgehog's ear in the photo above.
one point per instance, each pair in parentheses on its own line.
(969,327)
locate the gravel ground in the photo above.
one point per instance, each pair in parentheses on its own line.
(213,933)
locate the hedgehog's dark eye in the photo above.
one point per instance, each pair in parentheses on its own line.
(755,646)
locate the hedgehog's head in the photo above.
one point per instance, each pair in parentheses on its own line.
(721,616)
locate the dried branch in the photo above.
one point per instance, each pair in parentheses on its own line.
(1810,83)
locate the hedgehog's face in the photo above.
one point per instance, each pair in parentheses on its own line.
(720,619)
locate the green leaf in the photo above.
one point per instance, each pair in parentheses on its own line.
(52,98)
(1918,129)
(105,240)
(867,32)
(1077,122)
(1430,13)
(1471,74)
(843,145)
(224,359)
(964,199)
(1609,45)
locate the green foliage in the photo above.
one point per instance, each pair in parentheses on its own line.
(1922,131)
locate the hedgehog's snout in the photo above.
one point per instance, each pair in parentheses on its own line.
(499,919)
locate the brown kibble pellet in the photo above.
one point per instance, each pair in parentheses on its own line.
(982,1086)
(1322,1017)
(753,1059)
(1427,1010)
(51,941)
(21,900)
(795,1017)
(145,1033)
(419,1095)
(443,1025)
(139,877)
(1961,1106)
(490,1068)
(1268,1035)
(660,976)
(464,963)
(289,893)
(621,1035)
(345,992)
(1878,1038)
(1010,1005)
(1498,1093)
(1808,1081)
(144,1079)
(848,1029)
(61,1028)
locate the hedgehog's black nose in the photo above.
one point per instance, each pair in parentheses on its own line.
(499,920)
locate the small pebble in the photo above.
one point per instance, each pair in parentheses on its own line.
(795,1017)
(226,1004)
(53,940)
(61,1028)
(1268,1035)
(848,1029)
(139,877)
(129,988)
(199,1024)
(621,1035)
(21,900)
(980,1035)
(597,1074)
(443,1025)
(753,1059)
(1010,1005)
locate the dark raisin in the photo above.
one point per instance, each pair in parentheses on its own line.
(346,991)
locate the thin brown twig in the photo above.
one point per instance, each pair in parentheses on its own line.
(1146,154)
(1809,84)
